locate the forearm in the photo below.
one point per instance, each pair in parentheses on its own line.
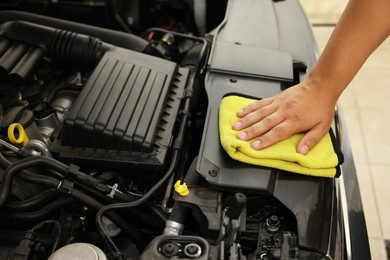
(364,25)
(309,106)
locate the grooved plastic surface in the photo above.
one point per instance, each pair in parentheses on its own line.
(126,111)
(120,105)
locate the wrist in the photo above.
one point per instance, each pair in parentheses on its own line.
(327,87)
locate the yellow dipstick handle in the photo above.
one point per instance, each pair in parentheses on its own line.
(22,136)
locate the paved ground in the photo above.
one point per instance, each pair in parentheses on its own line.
(324,11)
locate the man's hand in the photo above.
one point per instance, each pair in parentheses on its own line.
(301,108)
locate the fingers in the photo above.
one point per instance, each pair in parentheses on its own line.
(282,131)
(255,116)
(294,110)
(277,133)
(311,139)
(261,127)
(261,119)
(268,122)
(253,107)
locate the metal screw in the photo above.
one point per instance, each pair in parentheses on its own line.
(273,224)
(274,220)
(213,173)
(233,80)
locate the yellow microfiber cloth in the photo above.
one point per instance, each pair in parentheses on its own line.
(321,161)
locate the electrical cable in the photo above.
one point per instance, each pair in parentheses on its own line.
(4,162)
(184,36)
(177,147)
(55,183)
(118,17)
(134,233)
(104,210)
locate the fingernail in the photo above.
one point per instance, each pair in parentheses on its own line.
(240,111)
(304,149)
(237,125)
(256,144)
(241,135)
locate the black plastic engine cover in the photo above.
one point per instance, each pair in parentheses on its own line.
(126,111)
(255,56)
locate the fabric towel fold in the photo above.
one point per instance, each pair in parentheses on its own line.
(321,161)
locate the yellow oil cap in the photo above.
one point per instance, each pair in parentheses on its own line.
(22,136)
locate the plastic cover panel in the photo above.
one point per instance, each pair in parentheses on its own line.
(259,76)
(238,59)
(120,105)
(126,111)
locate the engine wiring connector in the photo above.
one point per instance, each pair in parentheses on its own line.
(181,189)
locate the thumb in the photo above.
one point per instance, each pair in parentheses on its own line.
(311,139)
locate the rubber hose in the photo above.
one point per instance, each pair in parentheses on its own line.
(41,213)
(23,164)
(134,233)
(105,210)
(120,39)
(31,203)
(88,200)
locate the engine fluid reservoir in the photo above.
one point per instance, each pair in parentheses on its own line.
(78,251)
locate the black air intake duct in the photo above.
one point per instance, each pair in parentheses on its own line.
(119,39)
(80,51)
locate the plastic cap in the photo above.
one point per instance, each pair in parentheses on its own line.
(182,189)
(22,136)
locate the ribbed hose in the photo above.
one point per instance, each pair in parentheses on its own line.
(120,39)
(83,52)
(79,50)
